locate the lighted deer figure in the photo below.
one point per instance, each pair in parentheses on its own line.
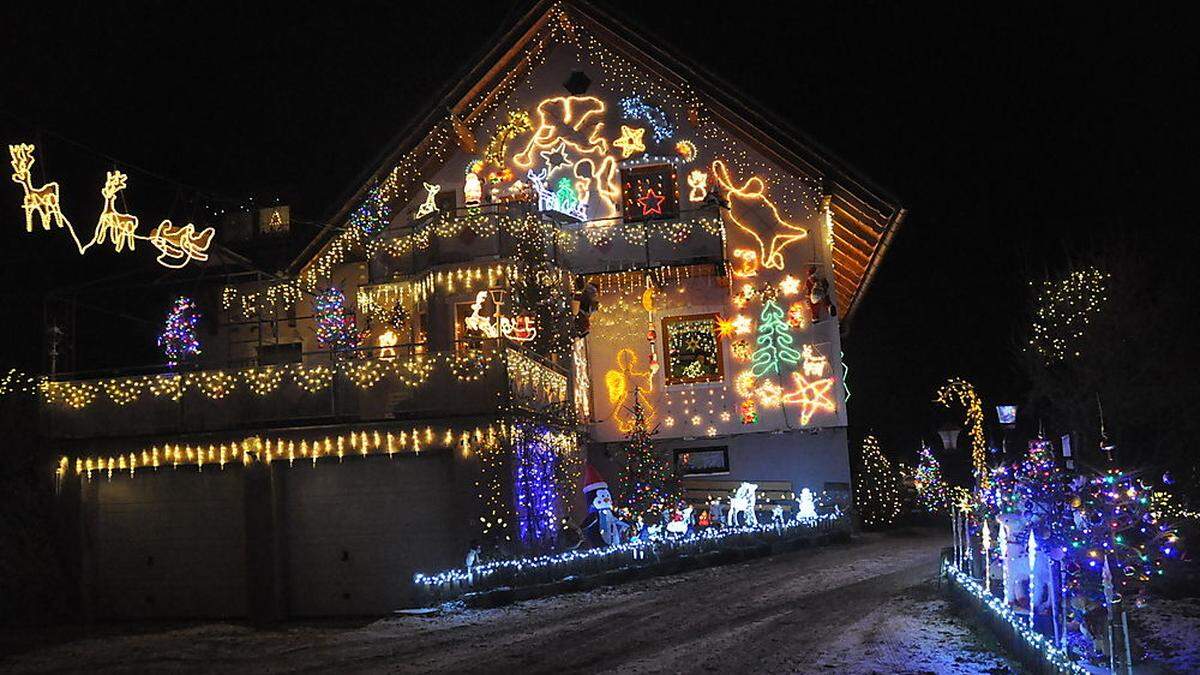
(44,200)
(120,227)
(756,215)
(742,502)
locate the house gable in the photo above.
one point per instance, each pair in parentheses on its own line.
(804,187)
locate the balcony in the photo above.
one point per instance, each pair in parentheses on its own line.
(374,385)
(492,231)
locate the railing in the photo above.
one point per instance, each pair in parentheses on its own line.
(596,245)
(402,382)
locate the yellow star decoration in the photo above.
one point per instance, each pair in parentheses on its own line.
(790,285)
(630,141)
(812,396)
(725,327)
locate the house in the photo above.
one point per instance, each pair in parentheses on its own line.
(583,222)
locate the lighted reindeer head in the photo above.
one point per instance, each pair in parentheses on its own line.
(22,160)
(114,182)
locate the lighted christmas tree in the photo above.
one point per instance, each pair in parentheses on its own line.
(1113,521)
(774,341)
(877,488)
(932,490)
(537,290)
(337,329)
(648,483)
(178,339)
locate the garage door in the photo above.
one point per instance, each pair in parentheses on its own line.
(357,531)
(170,543)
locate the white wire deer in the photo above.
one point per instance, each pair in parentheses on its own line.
(742,502)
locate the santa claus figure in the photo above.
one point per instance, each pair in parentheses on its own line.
(816,288)
(600,527)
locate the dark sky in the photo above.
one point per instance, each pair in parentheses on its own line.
(1013,134)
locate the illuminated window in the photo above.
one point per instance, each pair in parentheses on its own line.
(702,461)
(693,349)
(651,192)
(468,334)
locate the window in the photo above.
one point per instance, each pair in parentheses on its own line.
(651,192)
(701,461)
(693,350)
(469,337)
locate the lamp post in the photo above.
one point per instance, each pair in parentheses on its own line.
(949,436)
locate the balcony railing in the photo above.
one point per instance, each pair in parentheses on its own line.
(402,382)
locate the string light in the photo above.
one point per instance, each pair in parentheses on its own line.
(177,245)
(634,107)
(409,372)
(1064,310)
(876,491)
(959,391)
(278,448)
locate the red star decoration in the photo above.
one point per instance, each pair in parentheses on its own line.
(645,202)
(812,395)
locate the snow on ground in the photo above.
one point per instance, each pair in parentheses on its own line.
(1170,632)
(870,606)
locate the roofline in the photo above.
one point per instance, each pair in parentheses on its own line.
(770,134)
(889,234)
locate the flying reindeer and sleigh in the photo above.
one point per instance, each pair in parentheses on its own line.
(177,245)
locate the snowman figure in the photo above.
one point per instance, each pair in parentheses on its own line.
(806,508)
(600,527)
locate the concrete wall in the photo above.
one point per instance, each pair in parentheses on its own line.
(816,459)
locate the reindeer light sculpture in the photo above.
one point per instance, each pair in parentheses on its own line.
(120,227)
(43,200)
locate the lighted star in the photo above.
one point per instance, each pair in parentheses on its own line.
(811,395)
(790,285)
(741,324)
(556,157)
(630,141)
(724,327)
(769,393)
(651,202)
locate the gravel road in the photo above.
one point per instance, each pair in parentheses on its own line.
(863,607)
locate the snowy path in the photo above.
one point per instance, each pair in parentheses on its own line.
(869,606)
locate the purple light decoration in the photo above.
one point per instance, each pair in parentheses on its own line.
(534,465)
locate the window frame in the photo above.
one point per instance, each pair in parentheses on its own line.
(670,381)
(679,468)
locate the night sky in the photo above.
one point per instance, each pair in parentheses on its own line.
(1013,136)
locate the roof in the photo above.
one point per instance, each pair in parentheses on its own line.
(865,216)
